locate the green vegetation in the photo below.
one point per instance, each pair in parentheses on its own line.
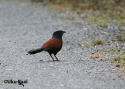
(111,51)
(101,53)
(71,18)
(93,42)
(120,37)
(98,12)
(119,60)
(97,42)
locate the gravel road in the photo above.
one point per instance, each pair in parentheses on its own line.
(25,26)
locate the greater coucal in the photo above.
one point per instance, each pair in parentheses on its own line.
(52,46)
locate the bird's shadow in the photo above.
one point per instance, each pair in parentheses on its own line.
(59,61)
(49,61)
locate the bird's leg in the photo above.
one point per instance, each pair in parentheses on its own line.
(51,57)
(56,58)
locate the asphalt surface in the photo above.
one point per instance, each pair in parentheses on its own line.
(25,26)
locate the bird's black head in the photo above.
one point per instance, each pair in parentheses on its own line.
(58,34)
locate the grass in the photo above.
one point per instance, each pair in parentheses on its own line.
(93,42)
(98,12)
(101,53)
(120,37)
(111,51)
(97,42)
(95,55)
(119,60)
(72,18)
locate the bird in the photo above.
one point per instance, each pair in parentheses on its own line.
(52,46)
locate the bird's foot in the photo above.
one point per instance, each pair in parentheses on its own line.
(57,60)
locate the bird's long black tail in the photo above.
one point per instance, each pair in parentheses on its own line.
(34,51)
